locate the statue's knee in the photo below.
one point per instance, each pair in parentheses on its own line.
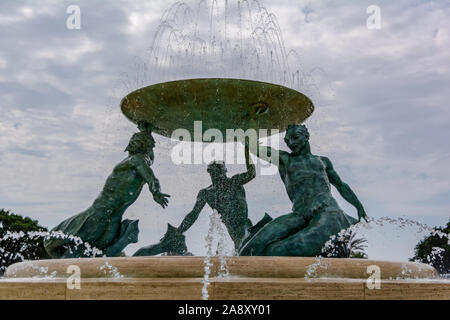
(298,245)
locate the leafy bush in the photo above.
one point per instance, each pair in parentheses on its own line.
(345,245)
(435,250)
(17,242)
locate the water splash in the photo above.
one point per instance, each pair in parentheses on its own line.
(313,270)
(209,39)
(215,237)
(221,248)
(110,271)
(401,224)
(42,273)
(207,261)
(406,273)
(233,39)
(7,257)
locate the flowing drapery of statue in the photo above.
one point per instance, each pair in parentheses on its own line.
(101,224)
(316,215)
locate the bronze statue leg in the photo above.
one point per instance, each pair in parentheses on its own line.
(56,248)
(173,243)
(309,241)
(128,234)
(275,230)
(151,250)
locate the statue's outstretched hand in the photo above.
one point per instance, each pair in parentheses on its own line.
(161,198)
(362,214)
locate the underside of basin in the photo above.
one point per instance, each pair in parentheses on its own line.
(218,103)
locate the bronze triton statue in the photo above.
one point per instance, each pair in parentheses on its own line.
(101,224)
(235,103)
(315,214)
(227,196)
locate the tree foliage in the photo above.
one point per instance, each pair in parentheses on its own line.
(435,250)
(17,242)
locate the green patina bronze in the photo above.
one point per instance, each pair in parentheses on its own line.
(219,103)
(101,224)
(227,196)
(242,104)
(315,214)
(173,243)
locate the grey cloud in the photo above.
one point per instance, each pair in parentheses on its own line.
(28,152)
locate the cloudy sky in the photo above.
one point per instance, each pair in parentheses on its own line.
(381,96)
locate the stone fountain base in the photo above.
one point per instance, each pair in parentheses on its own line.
(253,278)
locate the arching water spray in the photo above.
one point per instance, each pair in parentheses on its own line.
(218,38)
(214,39)
(17,256)
(400,223)
(215,238)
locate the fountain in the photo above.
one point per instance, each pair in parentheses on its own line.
(268,266)
(223,104)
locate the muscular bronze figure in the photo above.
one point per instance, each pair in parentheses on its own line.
(101,224)
(227,196)
(315,214)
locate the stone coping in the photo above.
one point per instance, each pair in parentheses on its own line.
(221,289)
(193,267)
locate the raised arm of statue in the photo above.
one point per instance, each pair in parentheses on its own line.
(143,168)
(250,174)
(344,189)
(271,155)
(192,216)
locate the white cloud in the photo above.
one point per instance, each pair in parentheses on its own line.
(70,51)
(18,13)
(3,63)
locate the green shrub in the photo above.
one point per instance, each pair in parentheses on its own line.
(18,241)
(435,250)
(345,245)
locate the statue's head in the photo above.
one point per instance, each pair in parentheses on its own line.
(297,137)
(217,168)
(141,142)
(145,126)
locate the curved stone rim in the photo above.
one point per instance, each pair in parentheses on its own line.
(193,267)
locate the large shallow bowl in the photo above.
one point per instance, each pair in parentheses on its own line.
(218,103)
